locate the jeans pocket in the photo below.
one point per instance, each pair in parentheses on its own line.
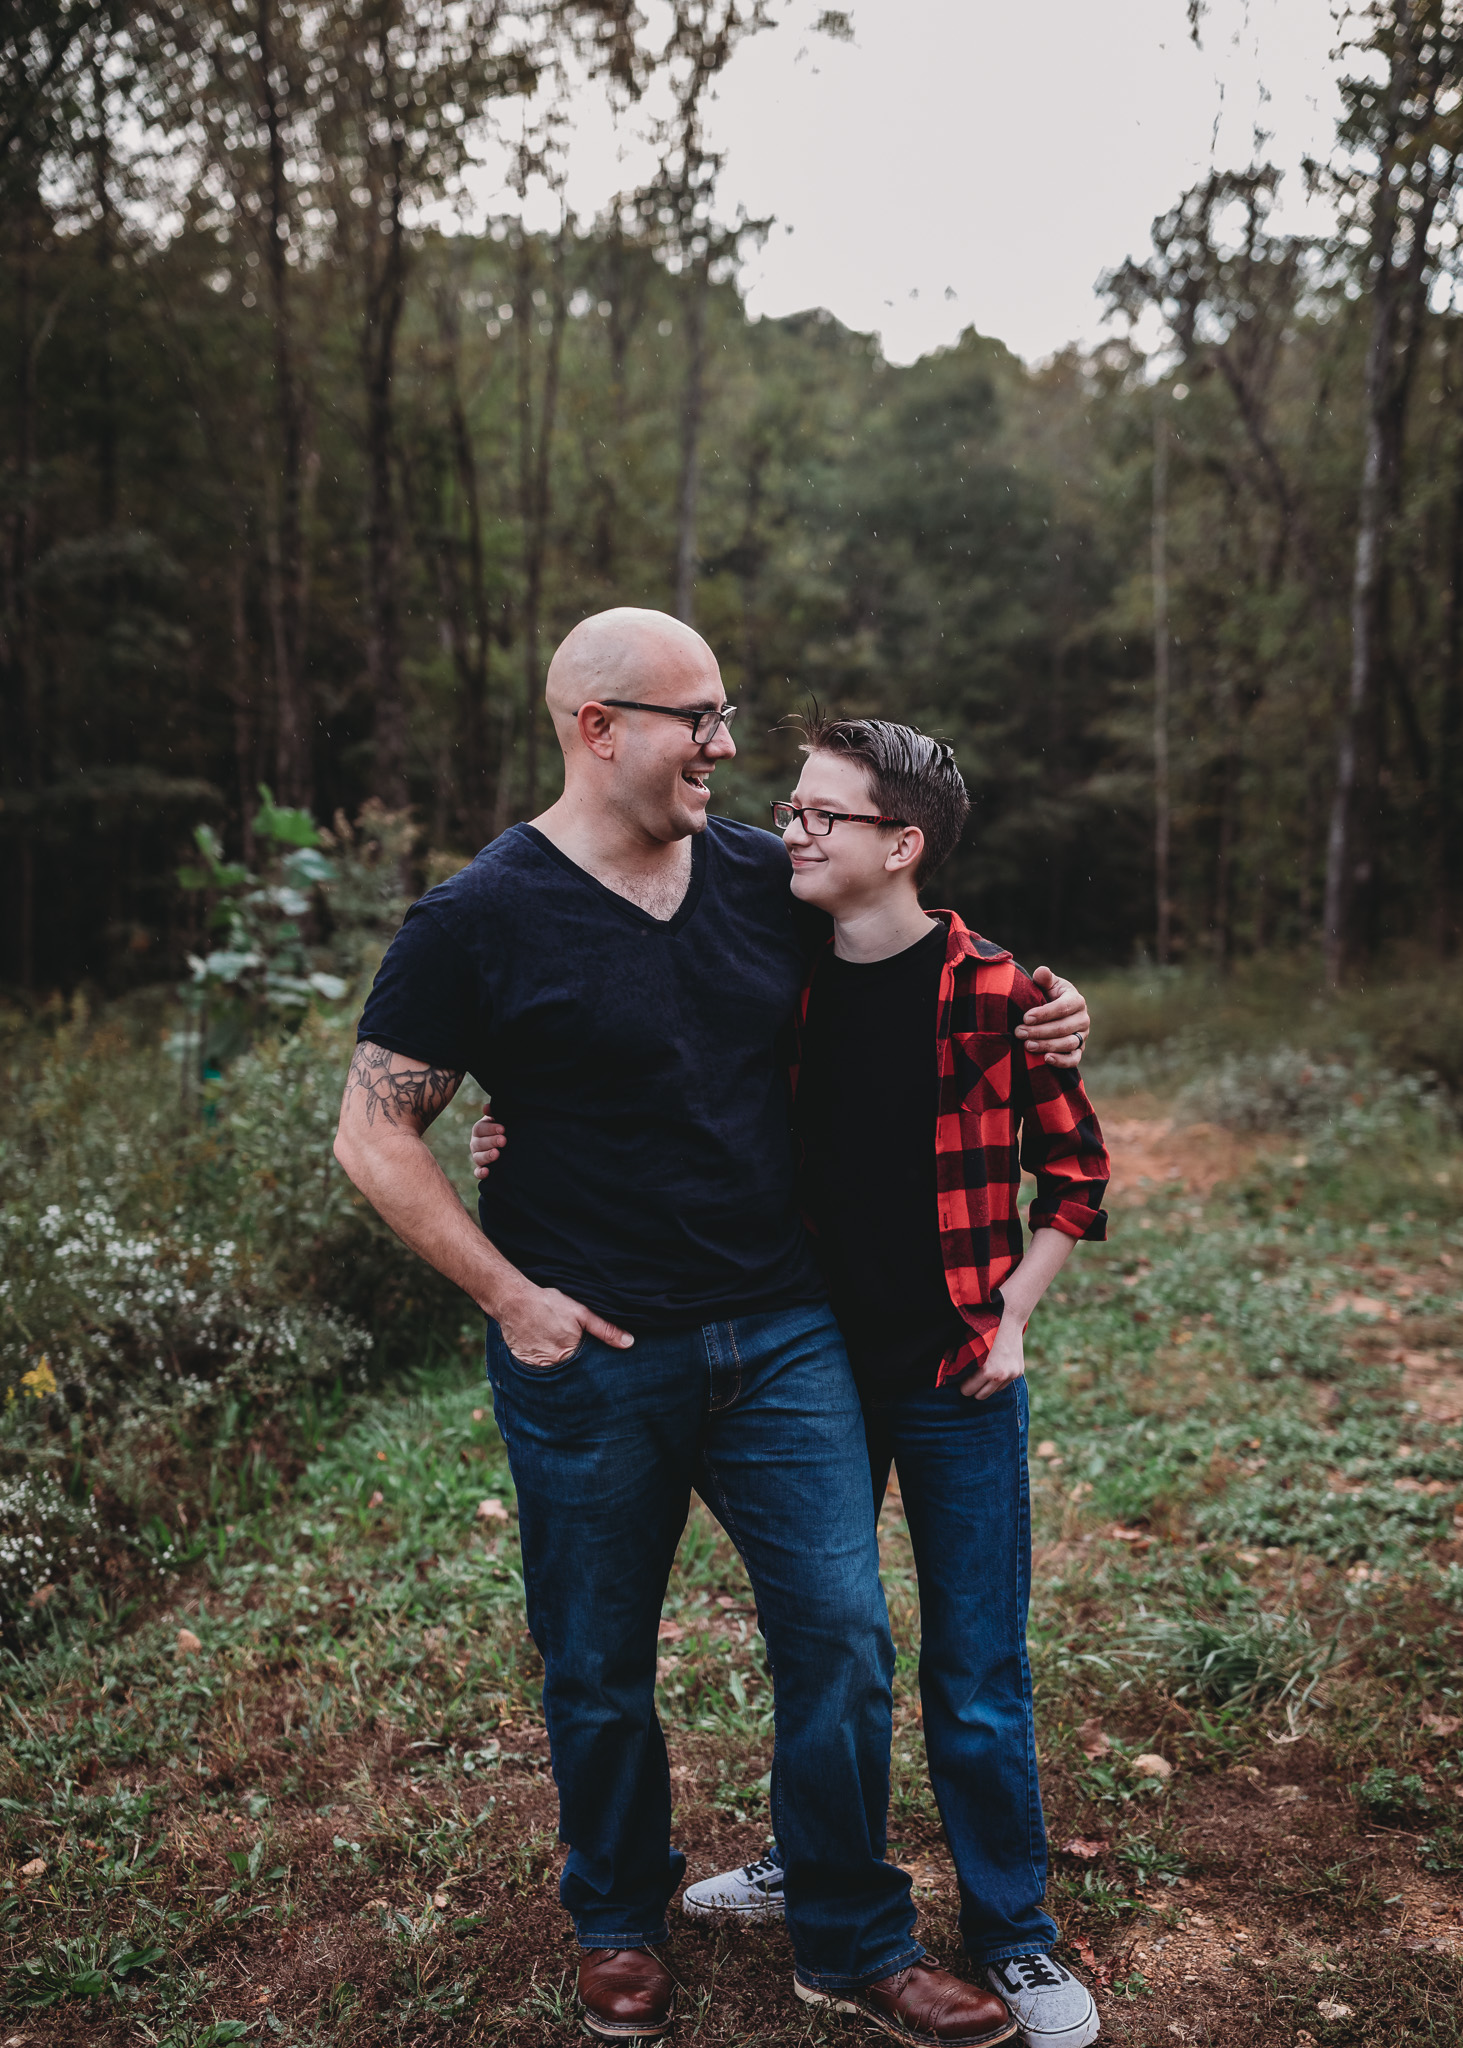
(523,1370)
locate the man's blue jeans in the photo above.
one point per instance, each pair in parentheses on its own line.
(762,1418)
(963,1480)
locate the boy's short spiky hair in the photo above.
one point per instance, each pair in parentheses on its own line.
(910,776)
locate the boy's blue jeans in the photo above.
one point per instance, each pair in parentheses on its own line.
(963,1480)
(761,1417)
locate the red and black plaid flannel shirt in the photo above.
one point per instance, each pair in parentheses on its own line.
(1000,1109)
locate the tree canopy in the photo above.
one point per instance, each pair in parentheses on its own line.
(303,481)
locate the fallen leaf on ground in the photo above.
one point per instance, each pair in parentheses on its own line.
(1046,1448)
(1333,2009)
(1092,1739)
(478,1414)
(1121,1535)
(188,1642)
(35,1868)
(1441,1724)
(377,1499)
(491,1511)
(669,1632)
(1358,1304)
(1150,1766)
(1084,1954)
(384,1904)
(1079,1847)
(1288,1795)
(40,1596)
(440,1899)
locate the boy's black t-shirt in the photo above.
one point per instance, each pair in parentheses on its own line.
(865,1117)
(639,1067)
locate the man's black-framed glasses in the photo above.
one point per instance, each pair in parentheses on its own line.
(818,824)
(703,723)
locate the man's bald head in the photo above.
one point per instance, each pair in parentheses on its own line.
(628,652)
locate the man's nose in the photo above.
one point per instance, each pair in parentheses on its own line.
(721,746)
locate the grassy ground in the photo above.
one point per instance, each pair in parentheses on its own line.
(296,1790)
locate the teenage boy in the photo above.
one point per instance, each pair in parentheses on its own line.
(620,973)
(908,1025)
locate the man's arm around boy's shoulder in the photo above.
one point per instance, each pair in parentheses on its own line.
(1061,1139)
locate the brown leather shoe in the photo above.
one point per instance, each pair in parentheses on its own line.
(924,2003)
(626,1992)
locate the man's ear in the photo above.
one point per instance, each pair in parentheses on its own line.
(597,730)
(906,852)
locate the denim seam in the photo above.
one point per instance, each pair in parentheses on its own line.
(625,1940)
(832,1980)
(713,1354)
(1009,1954)
(1035,1823)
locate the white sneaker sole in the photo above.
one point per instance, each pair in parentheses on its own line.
(895,2027)
(1079,2035)
(757,1909)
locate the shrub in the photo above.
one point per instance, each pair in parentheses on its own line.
(45,1537)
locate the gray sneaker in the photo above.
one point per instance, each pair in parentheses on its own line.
(752,1893)
(1052,2008)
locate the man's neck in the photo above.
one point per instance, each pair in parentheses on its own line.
(879,930)
(653,874)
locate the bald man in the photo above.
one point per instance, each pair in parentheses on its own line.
(620,974)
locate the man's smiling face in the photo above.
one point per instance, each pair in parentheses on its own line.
(662,775)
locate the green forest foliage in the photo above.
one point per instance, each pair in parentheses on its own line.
(302,487)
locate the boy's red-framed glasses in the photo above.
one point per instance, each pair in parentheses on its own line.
(818,824)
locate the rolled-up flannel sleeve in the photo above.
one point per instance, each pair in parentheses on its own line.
(1062,1149)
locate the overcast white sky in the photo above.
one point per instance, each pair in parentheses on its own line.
(978,161)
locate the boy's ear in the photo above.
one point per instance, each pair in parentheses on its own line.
(906,852)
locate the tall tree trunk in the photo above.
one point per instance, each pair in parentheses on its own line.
(27,745)
(1231,772)
(692,405)
(536,483)
(464,611)
(1448,855)
(750,554)
(285,538)
(1162,804)
(1398,300)
(241,691)
(386,288)
(106,394)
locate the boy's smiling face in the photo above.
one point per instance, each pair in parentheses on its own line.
(856,866)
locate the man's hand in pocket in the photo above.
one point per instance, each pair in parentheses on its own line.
(543,1327)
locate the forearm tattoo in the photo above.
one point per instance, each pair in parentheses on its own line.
(400,1090)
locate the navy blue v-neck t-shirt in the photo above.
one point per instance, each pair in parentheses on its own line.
(639,1067)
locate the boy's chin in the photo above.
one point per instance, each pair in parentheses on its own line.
(805,884)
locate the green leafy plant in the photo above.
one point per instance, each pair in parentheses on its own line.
(84,1967)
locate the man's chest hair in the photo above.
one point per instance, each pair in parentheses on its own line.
(659,895)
